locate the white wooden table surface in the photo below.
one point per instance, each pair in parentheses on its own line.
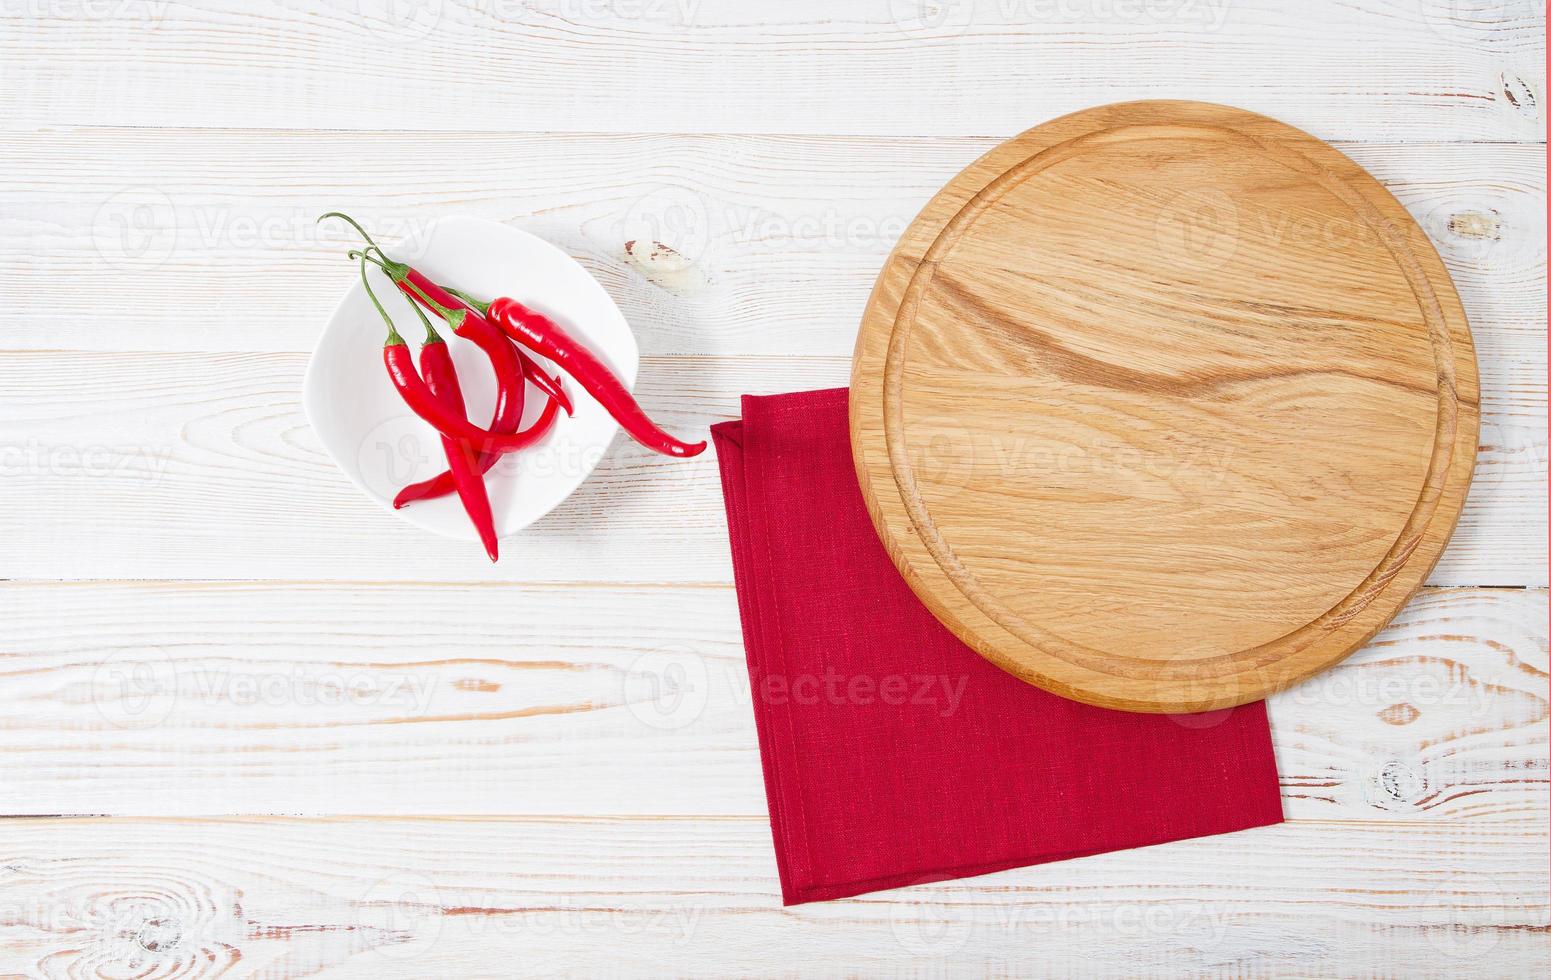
(250,723)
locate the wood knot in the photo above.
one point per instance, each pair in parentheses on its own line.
(1518,94)
(1399,714)
(159,935)
(1399,783)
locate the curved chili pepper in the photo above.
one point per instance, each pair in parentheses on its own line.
(511,366)
(415,288)
(444,483)
(417,394)
(473,325)
(508,367)
(546,337)
(459,299)
(450,298)
(462,461)
(438,299)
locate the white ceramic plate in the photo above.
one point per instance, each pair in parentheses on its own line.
(382,446)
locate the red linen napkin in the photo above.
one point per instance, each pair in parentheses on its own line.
(894,754)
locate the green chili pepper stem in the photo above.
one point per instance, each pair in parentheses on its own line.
(394,340)
(431,336)
(397,271)
(394,270)
(454,318)
(353,223)
(482,308)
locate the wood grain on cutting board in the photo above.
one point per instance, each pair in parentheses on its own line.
(1164,406)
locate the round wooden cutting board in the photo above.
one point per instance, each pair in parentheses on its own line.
(1164,406)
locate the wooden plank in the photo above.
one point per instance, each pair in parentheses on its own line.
(217,698)
(1435,70)
(109,234)
(768,213)
(698,897)
(203,466)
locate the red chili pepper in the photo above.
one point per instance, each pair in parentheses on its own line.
(443,483)
(510,391)
(471,324)
(462,461)
(438,300)
(546,337)
(479,329)
(417,394)
(504,361)
(426,293)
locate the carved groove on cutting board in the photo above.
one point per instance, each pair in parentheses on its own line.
(1221,664)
